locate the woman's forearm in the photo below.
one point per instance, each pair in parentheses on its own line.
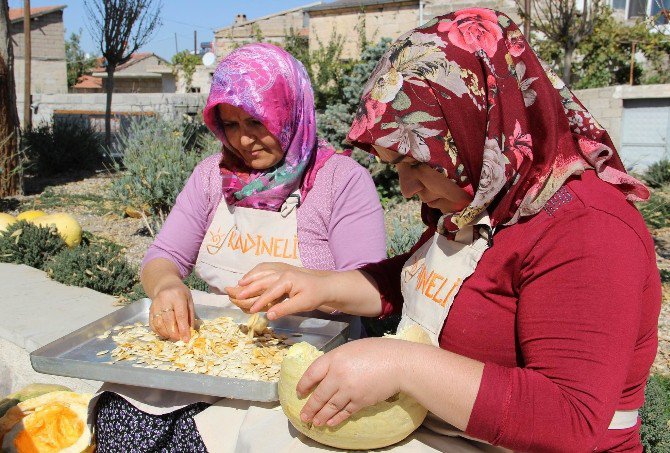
(158,274)
(352,292)
(443,382)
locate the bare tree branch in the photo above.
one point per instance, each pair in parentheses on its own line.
(562,22)
(121,27)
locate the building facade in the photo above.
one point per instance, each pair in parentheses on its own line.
(271,28)
(47,34)
(382,18)
(144,73)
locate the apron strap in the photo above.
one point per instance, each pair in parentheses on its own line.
(291,203)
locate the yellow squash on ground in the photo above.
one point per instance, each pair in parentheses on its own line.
(67,226)
(5,221)
(53,422)
(29,216)
(381,425)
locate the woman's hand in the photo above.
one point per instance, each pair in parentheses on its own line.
(353,376)
(172,314)
(281,289)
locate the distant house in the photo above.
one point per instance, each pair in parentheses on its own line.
(47,35)
(382,18)
(636,9)
(272,28)
(143,73)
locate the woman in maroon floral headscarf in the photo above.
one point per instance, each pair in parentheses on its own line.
(536,277)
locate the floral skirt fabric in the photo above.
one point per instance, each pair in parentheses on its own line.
(121,427)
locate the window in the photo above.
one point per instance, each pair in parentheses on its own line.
(637,8)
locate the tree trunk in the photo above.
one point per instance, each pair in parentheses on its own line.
(9,118)
(109,88)
(567,66)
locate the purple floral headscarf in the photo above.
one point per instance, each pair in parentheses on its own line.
(273,87)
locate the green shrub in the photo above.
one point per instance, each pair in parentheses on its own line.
(195,282)
(62,147)
(657,174)
(403,235)
(25,243)
(156,163)
(656,211)
(98,264)
(655,415)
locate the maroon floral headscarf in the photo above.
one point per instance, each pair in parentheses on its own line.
(466,94)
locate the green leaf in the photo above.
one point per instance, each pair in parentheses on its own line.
(503,21)
(401,101)
(418,118)
(392,125)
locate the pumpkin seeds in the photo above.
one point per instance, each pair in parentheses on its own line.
(220,347)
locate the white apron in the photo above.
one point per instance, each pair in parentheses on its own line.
(236,241)
(431,279)
(251,427)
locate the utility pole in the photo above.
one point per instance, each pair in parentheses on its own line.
(195,42)
(27,54)
(176,46)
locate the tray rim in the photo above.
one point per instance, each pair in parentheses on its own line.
(47,360)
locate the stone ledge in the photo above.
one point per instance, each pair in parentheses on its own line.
(37,310)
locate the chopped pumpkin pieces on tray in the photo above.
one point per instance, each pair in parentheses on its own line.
(220,347)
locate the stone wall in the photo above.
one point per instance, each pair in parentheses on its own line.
(607,104)
(606,108)
(89,108)
(138,85)
(48,69)
(273,28)
(433,8)
(381,21)
(389,20)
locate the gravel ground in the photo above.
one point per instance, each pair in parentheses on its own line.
(131,233)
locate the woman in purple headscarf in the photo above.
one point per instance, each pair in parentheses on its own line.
(275,193)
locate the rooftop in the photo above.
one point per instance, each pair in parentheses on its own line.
(16,14)
(247,22)
(341,4)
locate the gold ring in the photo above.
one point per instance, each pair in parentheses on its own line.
(157,315)
(165,310)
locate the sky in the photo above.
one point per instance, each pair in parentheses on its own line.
(178,16)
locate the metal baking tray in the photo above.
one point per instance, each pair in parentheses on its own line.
(74,355)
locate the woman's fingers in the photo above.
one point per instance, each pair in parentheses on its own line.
(170,322)
(254,288)
(319,400)
(344,414)
(254,275)
(181,316)
(274,293)
(244,304)
(160,325)
(299,303)
(335,405)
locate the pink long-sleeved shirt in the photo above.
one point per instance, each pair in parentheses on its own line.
(340,221)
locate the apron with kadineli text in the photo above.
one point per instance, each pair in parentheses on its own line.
(237,240)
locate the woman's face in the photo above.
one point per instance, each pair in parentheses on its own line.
(431,186)
(258,148)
